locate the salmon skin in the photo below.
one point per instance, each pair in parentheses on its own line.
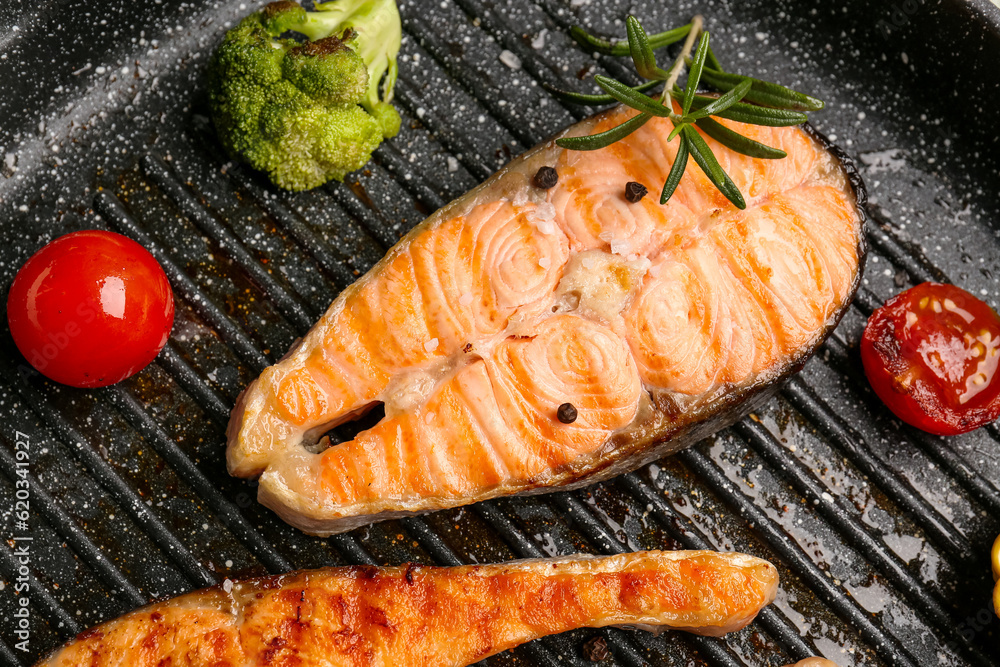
(659,324)
(427,616)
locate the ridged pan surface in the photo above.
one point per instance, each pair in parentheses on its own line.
(880,533)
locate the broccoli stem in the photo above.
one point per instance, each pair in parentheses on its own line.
(378,34)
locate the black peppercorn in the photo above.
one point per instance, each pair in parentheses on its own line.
(635,191)
(545,178)
(596,650)
(566,413)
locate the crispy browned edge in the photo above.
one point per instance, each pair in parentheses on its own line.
(224,599)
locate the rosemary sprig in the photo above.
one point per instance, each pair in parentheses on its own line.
(744,99)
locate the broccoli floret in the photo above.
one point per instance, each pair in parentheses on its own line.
(307,112)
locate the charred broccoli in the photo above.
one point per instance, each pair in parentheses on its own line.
(307,111)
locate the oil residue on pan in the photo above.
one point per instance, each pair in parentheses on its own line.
(881,534)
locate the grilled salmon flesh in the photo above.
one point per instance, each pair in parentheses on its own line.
(658,324)
(427,616)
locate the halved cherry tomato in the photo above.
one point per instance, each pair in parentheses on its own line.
(90,309)
(931,354)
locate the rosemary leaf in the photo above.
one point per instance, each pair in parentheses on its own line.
(722,103)
(703,155)
(621,47)
(737,142)
(694,73)
(763,92)
(754,115)
(676,171)
(594,100)
(641,52)
(748,113)
(677,130)
(712,61)
(596,141)
(629,97)
(591,43)
(668,37)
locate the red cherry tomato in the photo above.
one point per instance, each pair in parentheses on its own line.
(931,354)
(90,309)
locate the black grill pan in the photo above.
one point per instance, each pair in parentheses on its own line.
(881,534)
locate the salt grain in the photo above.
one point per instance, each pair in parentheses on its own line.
(545,211)
(510,60)
(431,345)
(227,585)
(539,41)
(465,300)
(452,164)
(544,262)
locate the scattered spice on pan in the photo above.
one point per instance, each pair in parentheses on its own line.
(596,649)
(566,413)
(634,192)
(545,178)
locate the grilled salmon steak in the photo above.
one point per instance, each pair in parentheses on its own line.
(427,616)
(657,324)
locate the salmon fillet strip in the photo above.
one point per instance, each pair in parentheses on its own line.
(418,616)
